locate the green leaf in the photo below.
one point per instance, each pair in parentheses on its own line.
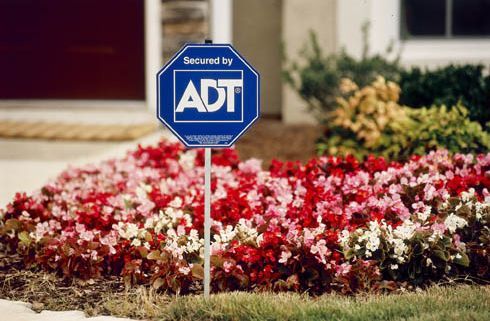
(12,225)
(197,271)
(463,260)
(441,255)
(24,238)
(154,255)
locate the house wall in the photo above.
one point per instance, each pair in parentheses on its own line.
(257,35)
(299,17)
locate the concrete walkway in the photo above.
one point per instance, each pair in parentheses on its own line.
(20,311)
(25,165)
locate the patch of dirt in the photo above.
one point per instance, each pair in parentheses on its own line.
(104,296)
(48,291)
(268,139)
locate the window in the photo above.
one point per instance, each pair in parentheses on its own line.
(445,19)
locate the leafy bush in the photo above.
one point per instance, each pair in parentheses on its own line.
(448,86)
(317,79)
(440,127)
(370,120)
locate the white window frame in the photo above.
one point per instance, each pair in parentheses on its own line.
(384,17)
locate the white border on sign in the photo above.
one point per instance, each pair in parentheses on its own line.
(208,121)
(243,60)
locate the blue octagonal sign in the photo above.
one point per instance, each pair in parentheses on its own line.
(208,95)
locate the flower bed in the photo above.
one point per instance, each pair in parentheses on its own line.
(331,224)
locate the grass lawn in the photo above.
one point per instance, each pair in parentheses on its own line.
(108,297)
(436,303)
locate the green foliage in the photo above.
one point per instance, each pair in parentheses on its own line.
(447,86)
(407,131)
(434,128)
(317,78)
(440,127)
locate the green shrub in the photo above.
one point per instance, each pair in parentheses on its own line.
(370,121)
(447,86)
(451,129)
(317,78)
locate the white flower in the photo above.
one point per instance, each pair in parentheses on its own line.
(321,250)
(453,222)
(260,238)
(400,248)
(424,215)
(142,190)
(394,266)
(479,209)
(187,159)
(467,196)
(405,231)
(428,262)
(87,235)
(344,238)
(225,235)
(245,232)
(285,255)
(184,270)
(127,230)
(194,243)
(176,202)
(373,243)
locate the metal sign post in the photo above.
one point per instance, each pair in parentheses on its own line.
(207,221)
(207,215)
(208,95)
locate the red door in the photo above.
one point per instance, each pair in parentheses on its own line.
(72,49)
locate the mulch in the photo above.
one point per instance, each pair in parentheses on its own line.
(268,139)
(49,291)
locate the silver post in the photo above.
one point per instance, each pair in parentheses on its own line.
(207,220)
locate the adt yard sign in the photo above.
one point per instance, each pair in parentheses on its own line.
(208,95)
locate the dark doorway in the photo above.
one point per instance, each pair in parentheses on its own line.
(72,49)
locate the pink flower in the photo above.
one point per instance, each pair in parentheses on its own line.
(342,269)
(439,228)
(251,166)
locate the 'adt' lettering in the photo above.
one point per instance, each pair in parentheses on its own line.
(225,89)
(208,96)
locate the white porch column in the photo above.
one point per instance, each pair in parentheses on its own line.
(221,21)
(299,18)
(153,49)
